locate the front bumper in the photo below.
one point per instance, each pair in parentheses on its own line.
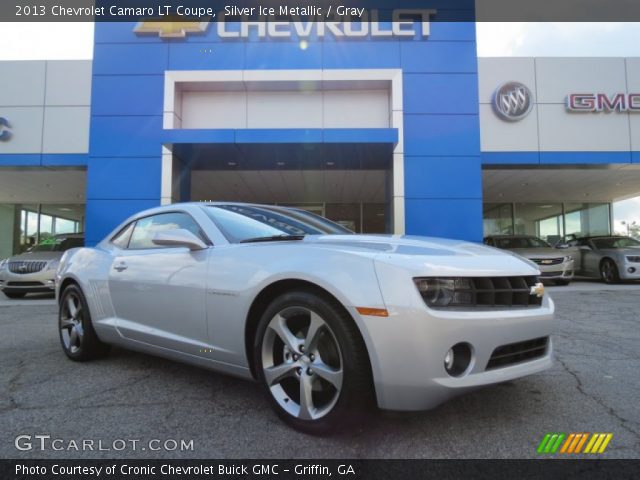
(407,350)
(563,271)
(39,282)
(629,270)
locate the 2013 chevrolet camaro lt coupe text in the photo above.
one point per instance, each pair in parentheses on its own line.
(329,322)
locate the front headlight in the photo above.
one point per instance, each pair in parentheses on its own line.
(441,292)
(3,264)
(53,265)
(568,258)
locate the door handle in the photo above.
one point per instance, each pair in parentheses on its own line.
(120,268)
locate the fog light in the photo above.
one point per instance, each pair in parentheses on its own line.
(448,360)
(631,269)
(458,359)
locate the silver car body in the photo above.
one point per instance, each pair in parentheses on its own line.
(554,264)
(588,258)
(33,271)
(194,306)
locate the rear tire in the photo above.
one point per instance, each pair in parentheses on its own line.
(609,271)
(15,295)
(312,363)
(77,336)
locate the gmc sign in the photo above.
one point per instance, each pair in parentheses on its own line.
(601,102)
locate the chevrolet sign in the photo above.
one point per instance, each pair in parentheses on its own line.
(403,25)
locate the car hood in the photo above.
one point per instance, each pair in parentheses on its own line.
(430,255)
(538,252)
(36,256)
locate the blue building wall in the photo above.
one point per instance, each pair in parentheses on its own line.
(443,175)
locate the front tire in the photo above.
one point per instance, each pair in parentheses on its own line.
(609,271)
(77,336)
(312,362)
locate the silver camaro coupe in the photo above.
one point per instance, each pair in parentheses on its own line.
(329,322)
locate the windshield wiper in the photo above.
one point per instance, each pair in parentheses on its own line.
(273,238)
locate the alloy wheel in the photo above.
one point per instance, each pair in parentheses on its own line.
(302,363)
(607,271)
(71,326)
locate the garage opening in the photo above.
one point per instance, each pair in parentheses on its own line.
(347,183)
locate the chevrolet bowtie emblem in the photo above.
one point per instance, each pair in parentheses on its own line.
(170,29)
(537,290)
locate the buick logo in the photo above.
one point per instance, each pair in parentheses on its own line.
(512,101)
(5,133)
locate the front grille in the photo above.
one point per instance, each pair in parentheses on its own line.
(514,353)
(22,267)
(504,292)
(551,274)
(25,284)
(548,261)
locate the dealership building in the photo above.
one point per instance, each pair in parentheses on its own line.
(396,129)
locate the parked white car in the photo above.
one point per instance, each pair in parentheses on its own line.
(327,321)
(34,270)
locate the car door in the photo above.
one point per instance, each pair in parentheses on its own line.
(158,293)
(591,259)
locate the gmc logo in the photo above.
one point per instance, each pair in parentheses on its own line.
(601,102)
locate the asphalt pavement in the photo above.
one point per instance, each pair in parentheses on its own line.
(594,386)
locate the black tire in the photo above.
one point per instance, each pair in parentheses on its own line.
(609,271)
(14,295)
(352,401)
(562,283)
(84,345)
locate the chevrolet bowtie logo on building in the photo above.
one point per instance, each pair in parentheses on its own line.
(170,29)
(5,133)
(574,443)
(512,101)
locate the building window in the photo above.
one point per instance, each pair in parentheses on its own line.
(24,225)
(549,221)
(585,219)
(498,218)
(542,220)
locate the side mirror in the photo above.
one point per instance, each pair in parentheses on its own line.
(562,245)
(178,238)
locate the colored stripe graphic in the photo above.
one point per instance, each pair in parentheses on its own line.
(598,443)
(550,443)
(574,443)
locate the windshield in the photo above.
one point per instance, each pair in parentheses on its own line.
(509,243)
(57,244)
(244,222)
(615,242)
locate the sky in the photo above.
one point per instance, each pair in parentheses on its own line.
(74,40)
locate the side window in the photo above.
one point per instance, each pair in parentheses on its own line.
(146,228)
(121,240)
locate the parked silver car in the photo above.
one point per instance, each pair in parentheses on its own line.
(610,258)
(34,271)
(326,320)
(553,263)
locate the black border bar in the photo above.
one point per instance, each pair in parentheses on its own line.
(322,10)
(595,469)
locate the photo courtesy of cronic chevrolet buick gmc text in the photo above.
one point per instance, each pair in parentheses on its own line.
(329,322)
